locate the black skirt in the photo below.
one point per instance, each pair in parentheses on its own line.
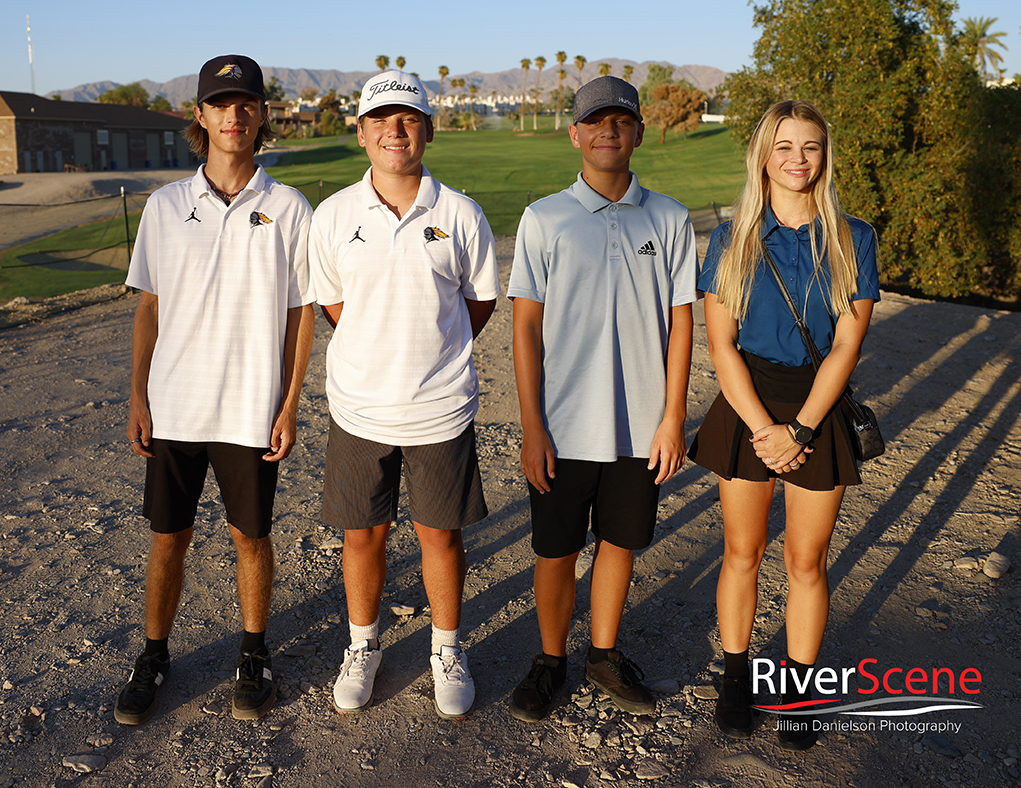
(723,443)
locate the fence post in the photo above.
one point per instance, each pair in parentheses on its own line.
(127,232)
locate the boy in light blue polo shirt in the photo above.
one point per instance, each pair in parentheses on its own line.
(603,282)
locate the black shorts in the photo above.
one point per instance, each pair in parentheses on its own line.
(175,476)
(362,482)
(723,443)
(622,497)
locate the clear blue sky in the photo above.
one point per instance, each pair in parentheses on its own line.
(77,42)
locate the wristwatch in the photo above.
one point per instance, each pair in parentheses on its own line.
(801,433)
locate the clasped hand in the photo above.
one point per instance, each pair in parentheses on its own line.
(778,450)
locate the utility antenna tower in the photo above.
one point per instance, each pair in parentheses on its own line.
(31,57)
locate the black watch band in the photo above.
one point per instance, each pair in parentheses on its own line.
(802,434)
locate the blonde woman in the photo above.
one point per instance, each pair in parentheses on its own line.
(775,416)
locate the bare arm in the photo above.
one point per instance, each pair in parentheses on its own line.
(332,312)
(668,443)
(479,313)
(537,460)
(143,343)
(297,346)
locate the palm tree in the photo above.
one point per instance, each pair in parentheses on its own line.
(980,41)
(561,57)
(628,71)
(472,90)
(400,61)
(539,63)
(579,63)
(383,62)
(605,69)
(440,110)
(525,64)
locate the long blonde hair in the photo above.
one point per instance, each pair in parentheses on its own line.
(737,266)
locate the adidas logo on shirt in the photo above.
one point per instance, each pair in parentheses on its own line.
(647,248)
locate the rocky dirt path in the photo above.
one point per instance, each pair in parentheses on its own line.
(908,591)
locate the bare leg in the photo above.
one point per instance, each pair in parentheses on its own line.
(255,579)
(364,564)
(611,581)
(554,601)
(745,507)
(164,578)
(442,573)
(811,516)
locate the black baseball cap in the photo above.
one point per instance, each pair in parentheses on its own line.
(605,92)
(230,74)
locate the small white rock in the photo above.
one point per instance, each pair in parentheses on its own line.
(262,770)
(996,565)
(592,741)
(649,769)
(402,610)
(706,692)
(84,764)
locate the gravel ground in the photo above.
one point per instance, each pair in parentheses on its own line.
(906,572)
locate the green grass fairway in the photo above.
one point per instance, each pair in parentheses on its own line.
(504,171)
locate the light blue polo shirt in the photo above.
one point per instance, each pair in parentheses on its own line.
(607,274)
(769,330)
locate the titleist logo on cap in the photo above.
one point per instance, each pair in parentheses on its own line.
(384,87)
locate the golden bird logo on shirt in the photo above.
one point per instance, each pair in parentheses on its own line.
(434,234)
(231,70)
(257,219)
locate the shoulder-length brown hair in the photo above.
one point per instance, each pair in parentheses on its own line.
(198,138)
(736,270)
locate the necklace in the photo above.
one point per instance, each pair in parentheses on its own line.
(221,194)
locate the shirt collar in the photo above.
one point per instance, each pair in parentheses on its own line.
(769,224)
(593,201)
(428,191)
(199,185)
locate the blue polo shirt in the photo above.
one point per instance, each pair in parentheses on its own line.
(769,330)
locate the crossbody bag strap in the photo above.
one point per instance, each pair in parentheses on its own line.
(813,351)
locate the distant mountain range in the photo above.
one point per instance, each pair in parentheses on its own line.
(505,83)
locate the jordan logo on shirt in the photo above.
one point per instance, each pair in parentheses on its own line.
(434,234)
(648,248)
(193,216)
(356,236)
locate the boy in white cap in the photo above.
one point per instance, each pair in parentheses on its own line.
(603,281)
(405,271)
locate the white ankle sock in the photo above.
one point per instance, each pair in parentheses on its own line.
(444,637)
(358,633)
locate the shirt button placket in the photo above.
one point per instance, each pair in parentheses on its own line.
(613,232)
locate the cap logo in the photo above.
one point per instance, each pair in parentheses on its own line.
(386,87)
(230,70)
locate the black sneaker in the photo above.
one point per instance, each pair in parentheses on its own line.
(532,698)
(734,708)
(621,679)
(796,733)
(137,701)
(253,691)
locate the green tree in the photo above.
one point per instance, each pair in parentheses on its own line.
(540,63)
(932,168)
(674,108)
(605,69)
(309,94)
(132,95)
(628,71)
(561,57)
(579,63)
(526,64)
(441,110)
(658,75)
(274,90)
(472,92)
(400,61)
(382,63)
(160,104)
(980,42)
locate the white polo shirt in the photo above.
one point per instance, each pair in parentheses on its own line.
(607,274)
(225,278)
(399,368)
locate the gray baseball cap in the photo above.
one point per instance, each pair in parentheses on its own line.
(605,92)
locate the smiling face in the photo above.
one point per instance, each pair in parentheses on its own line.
(394,137)
(607,138)
(796,159)
(232,121)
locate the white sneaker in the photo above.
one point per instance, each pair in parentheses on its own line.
(353,688)
(455,688)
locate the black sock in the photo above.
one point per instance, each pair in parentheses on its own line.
(799,670)
(155,647)
(253,641)
(735,666)
(598,654)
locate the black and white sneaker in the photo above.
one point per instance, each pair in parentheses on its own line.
(137,701)
(253,691)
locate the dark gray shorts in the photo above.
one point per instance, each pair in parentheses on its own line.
(362,482)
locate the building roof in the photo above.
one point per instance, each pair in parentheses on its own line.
(28,106)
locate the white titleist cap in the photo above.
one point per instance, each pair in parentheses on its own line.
(393,87)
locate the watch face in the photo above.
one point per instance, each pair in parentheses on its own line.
(803,435)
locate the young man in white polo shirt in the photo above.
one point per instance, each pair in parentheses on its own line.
(603,281)
(405,270)
(221,340)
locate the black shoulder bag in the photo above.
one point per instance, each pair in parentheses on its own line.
(868,443)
